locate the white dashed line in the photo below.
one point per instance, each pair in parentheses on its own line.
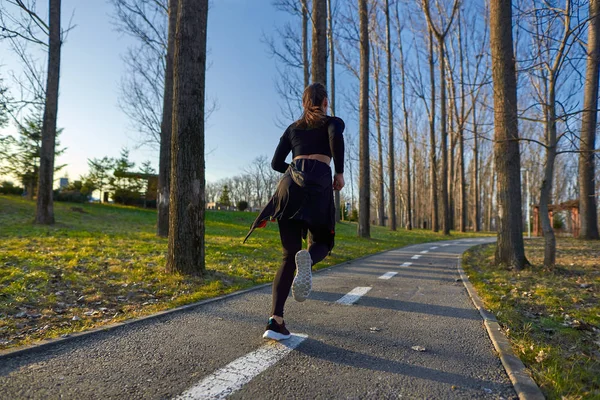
(406,264)
(424,252)
(354,295)
(416,257)
(433,248)
(446,244)
(387,275)
(237,373)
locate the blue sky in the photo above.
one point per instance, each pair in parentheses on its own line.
(241,79)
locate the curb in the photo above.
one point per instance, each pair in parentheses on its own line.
(524,385)
(49,343)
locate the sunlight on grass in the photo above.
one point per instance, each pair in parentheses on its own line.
(552,317)
(105,264)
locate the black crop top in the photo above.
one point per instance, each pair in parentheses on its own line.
(327,139)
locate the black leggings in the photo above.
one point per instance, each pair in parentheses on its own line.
(291,239)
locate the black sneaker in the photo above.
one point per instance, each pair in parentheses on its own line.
(276,331)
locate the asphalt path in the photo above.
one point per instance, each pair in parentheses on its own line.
(409,330)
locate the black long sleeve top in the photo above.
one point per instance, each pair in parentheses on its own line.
(327,139)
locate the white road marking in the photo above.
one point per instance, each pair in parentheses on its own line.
(424,252)
(237,373)
(387,275)
(433,248)
(406,264)
(416,257)
(354,295)
(446,244)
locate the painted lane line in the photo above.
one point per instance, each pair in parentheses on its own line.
(446,244)
(387,275)
(237,373)
(406,264)
(424,252)
(433,248)
(354,295)
(416,257)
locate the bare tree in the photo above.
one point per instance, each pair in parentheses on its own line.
(186,252)
(319,42)
(510,248)
(587,197)
(440,33)
(391,170)
(165,129)
(364,228)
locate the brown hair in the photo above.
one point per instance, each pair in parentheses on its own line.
(312,100)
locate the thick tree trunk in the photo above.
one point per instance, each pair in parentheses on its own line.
(187,202)
(305,62)
(319,42)
(461,136)
(164,167)
(45,207)
(391,166)
(364,206)
(510,248)
(587,197)
(432,151)
(336,193)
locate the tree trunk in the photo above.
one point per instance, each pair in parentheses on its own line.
(510,248)
(187,202)
(546,188)
(444,144)
(461,136)
(476,215)
(433,162)
(364,207)
(391,169)
(164,168)
(380,183)
(336,193)
(305,61)
(587,198)
(45,207)
(319,42)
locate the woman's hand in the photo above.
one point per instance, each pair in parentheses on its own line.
(338,182)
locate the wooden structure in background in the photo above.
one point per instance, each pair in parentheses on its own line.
(572,224)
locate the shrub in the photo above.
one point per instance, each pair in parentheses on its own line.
(71,196)
(7,187)
(242,205)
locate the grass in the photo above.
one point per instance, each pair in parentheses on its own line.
(100,264)
(552,317)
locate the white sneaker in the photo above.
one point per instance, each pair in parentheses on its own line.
(302,284)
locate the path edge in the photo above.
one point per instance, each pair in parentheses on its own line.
(519,375)
(49,343)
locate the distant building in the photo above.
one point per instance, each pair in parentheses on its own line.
(63,183)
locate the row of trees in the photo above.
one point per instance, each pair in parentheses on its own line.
(462,157)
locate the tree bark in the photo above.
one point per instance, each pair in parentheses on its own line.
(510,249)
(444,144)
(432,151)
(305,62)
(587,197)
(164,168)
(461,136)
(391,162)
(476,208)
(364,207)
(336,193)
(319,42)
(45,207)
(186,221)
(377,107)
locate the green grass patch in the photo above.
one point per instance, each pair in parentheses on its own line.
(103,263)
(552,317)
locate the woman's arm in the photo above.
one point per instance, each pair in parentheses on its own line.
(281,152)
(336,143)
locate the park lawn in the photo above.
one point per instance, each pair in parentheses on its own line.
(101,264)
(552,317)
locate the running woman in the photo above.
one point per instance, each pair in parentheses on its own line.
(303,201)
